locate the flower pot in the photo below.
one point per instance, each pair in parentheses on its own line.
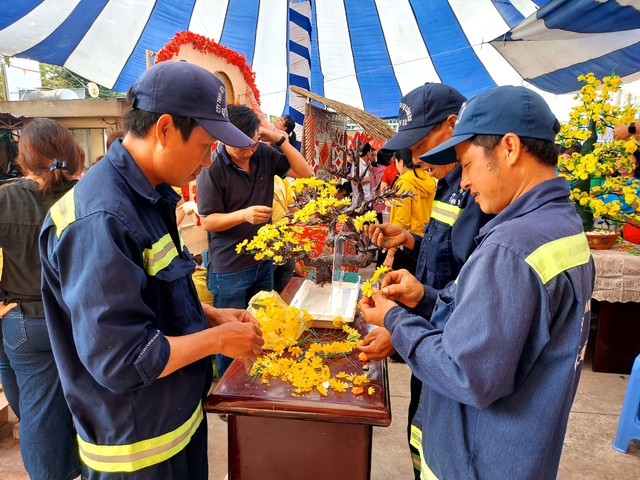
(602,241)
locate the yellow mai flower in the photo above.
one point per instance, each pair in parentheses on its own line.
(276,242)
(241,245)
(369,217)
(338,322)
(593,170)
(295,351)
(337,385)
(381,270)
(305,368)
(281,326)
(367,287)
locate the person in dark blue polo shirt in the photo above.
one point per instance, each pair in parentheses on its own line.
(235,198)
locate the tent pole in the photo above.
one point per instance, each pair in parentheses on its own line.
(149,55)
(5,81)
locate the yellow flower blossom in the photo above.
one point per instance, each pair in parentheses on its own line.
(281,327)
(304,367)
(295,351)
(369,217)
(592,117)
(337,385)
(367,287)
(276,242)
(381,270)
(360,380)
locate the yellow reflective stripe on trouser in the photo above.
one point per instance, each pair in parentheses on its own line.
(445,213)
(416,442)
(559,255)
(129,458)
(63,212)
(159,255)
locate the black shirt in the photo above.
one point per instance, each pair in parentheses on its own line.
(224,188)
(22,211)
(293,140)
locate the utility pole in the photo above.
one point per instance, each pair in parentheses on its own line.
(5,80)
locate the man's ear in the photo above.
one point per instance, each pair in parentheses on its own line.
(511,148)
(163,127)
(446,125)
(451,120)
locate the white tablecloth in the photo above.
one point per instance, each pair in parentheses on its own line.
(617,276)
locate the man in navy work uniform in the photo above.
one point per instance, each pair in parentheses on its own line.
(499,351)
(235,198)
(130,338)
(427,116)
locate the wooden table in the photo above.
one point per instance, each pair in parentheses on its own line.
(274,436)
(617,289)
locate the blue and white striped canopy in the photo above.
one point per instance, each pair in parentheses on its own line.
(366,53)
(566,38)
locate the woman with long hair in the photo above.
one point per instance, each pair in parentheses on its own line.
(51,160)
(286,123)
(410,213)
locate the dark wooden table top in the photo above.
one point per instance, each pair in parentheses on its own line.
(237,393)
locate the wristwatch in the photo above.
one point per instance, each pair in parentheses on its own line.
(281,141)
(632,128)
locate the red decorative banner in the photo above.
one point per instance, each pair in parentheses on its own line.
(325,137)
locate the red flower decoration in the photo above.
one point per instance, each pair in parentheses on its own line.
(205,44)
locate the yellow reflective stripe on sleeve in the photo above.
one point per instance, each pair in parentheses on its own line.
(420,464)
(160,254)
(135,456)
(63,212)
(553,258)
(445,213)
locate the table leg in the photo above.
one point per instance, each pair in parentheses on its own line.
(288,449)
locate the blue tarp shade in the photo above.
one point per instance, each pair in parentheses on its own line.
(366,53)
(567,38)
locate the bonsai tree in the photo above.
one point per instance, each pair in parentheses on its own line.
(317,204)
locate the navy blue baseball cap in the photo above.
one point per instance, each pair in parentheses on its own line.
(500,111)
(422,109)
(187,90)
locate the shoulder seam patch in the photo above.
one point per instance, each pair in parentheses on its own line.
(557,256)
